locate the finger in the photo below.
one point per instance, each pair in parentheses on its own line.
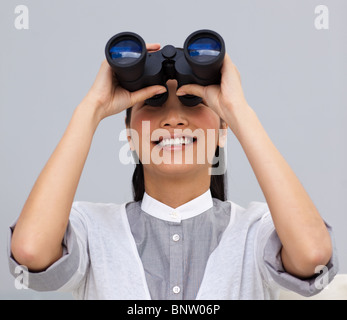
(104,67)
(146,93)
(238,73)
(153,46)
(192,89)
(105,72)
(228,64)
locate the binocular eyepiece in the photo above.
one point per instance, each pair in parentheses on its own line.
(199,62)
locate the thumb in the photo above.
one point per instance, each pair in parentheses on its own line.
(145,93)
(193,89)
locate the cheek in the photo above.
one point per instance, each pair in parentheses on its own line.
(209,121)
(206,118)
(140,116)
(141,134)
(138,122)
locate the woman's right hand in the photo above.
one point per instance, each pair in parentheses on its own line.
(110,98)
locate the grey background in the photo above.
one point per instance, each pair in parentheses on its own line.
(293,75)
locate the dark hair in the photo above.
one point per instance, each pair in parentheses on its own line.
(218,184)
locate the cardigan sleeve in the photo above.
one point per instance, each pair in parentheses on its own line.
(66,273)
(269,254)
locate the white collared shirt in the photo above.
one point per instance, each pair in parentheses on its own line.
(123,252)
(174,244)
(188,210)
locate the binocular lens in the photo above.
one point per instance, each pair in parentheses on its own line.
(204,49)
(125,51)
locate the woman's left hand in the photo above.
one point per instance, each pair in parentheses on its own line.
(224,99)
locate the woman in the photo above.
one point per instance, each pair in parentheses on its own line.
(179,239)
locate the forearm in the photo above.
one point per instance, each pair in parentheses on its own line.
(36,241)
(305,239)
(39,231)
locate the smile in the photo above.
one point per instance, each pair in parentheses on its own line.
(175,142)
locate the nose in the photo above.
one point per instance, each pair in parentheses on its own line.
(174,112)
(174,116)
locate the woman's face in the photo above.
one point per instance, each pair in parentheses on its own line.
(174,138)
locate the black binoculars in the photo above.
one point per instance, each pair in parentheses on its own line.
(199,62)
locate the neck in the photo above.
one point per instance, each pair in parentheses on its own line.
(176,190)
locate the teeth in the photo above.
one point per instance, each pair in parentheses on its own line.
(175,142)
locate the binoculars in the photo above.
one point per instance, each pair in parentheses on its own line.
(199,62)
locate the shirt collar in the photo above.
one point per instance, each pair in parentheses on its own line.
(188,210)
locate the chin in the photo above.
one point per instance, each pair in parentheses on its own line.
(178,170)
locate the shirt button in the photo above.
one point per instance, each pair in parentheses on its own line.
(176,237)
(176,289)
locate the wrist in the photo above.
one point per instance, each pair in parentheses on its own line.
(239,117)
(89,111)
(248,128)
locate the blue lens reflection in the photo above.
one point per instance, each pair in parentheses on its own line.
(126,51)
(204,49)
